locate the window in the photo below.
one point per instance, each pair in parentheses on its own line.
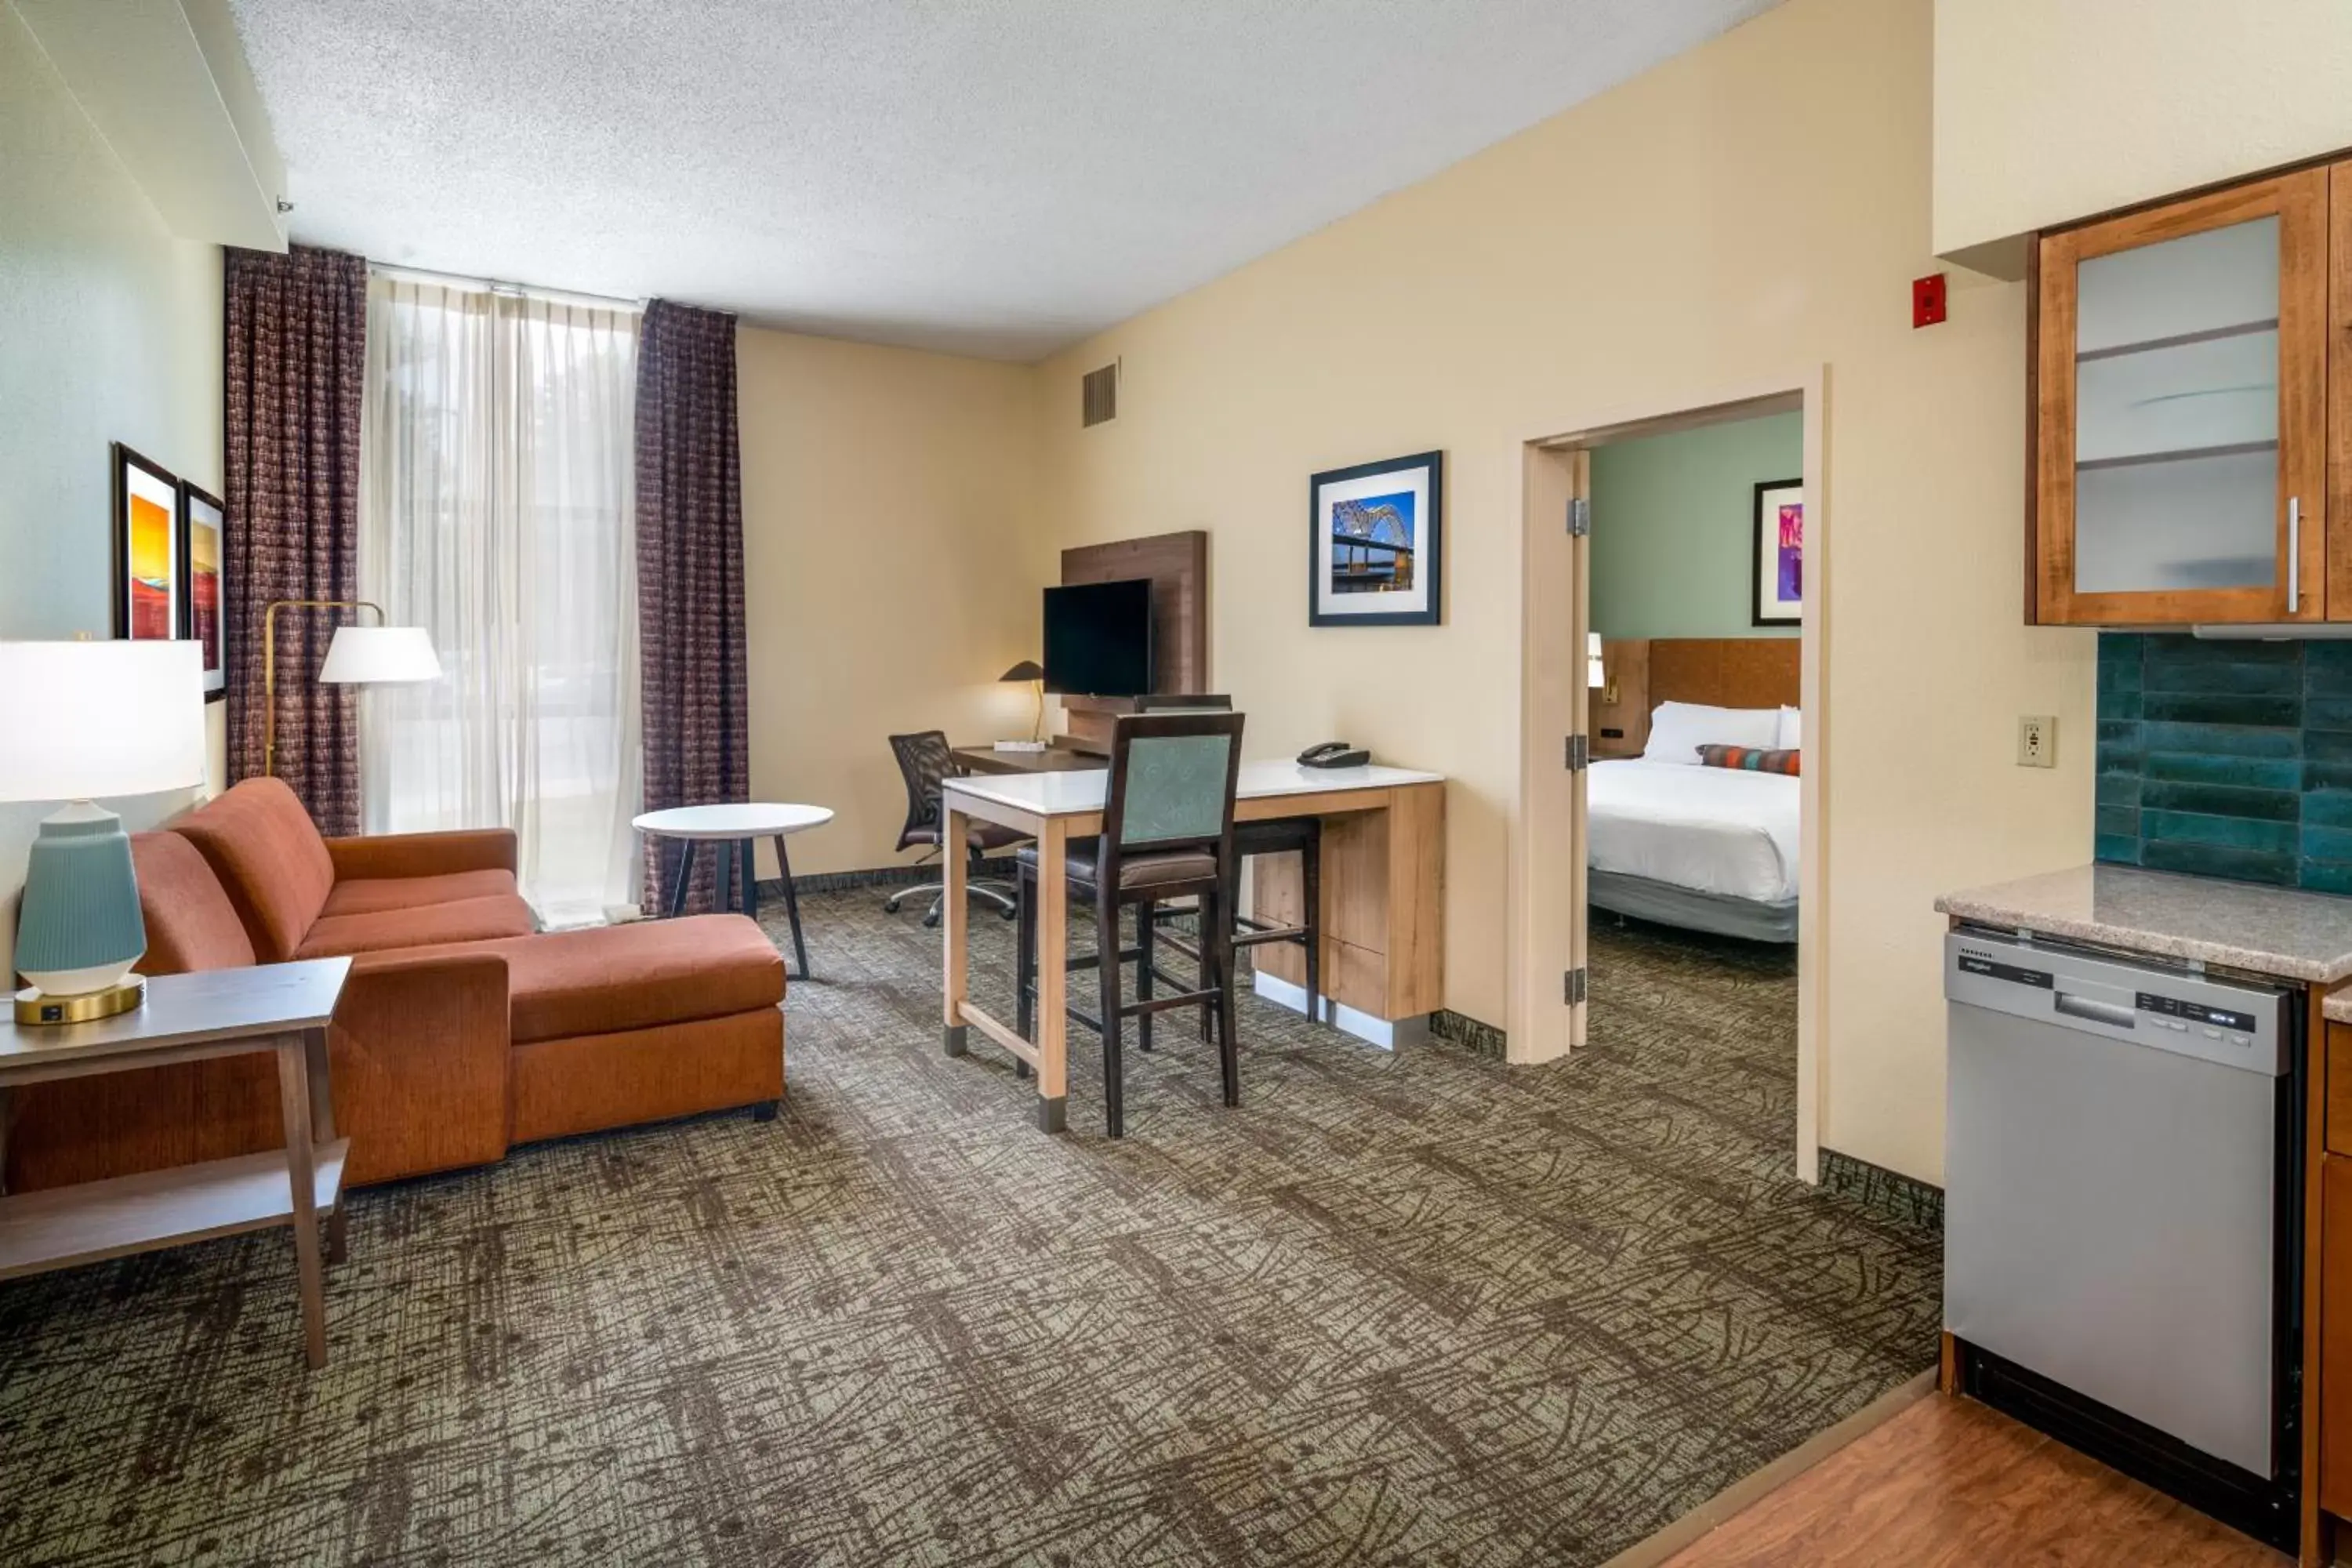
(497,512)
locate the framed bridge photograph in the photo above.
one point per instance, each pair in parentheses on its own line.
(1375,533)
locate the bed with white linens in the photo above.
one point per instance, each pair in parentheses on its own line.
(1705,847)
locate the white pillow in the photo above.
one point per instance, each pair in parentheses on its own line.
(1677,730)
(1792,730)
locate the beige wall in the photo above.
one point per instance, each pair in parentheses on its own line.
(892,560)
(1746,211)
(109,331)
(2048,110)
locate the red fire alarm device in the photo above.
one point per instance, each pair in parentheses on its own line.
(1927,300)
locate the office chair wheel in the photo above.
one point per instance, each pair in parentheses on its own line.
(891,905)
(1010,912)
(931,920)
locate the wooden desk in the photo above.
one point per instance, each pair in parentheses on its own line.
(1384,891)
(282,1008)
(1052,759)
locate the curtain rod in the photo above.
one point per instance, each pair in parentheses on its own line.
(497,285)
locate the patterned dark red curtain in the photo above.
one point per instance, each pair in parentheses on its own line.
(294,362)
(690,579)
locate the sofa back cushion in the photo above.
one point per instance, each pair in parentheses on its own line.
(261,844)
(190,925)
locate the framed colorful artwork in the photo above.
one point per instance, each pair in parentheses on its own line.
(147,583)
(1780,554)
(1375,537)
(203,536)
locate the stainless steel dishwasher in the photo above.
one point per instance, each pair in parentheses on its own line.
(2122,1265)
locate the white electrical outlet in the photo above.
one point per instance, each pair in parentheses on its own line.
(2037,741)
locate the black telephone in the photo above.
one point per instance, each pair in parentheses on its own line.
(1333,754)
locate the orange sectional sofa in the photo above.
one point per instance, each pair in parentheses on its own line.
(461,1032)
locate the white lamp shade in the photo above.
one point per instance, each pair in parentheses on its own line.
(89,720)
(379,656)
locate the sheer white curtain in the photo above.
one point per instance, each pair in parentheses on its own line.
(497,512)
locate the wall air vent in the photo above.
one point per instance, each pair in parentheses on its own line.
(1098,395)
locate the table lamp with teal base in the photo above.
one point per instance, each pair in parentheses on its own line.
(111,718)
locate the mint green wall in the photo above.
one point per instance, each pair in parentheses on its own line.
(1671,514)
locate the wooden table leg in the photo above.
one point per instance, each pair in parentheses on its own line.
(301,1174)
(322,1130)
(954,827)
(1053,975)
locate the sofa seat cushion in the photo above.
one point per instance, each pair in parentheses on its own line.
(609,979)
(270,860)
(190,925)
(427,925)
(375,895)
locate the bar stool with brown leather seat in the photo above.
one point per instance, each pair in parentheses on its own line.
(1167,833)
(1299,835)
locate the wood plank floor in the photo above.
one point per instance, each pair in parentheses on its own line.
(1947,1481)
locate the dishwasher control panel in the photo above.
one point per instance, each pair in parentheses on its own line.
(2236,1023)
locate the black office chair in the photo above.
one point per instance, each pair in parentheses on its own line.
(925,763)
(1299,835)
(1168,833)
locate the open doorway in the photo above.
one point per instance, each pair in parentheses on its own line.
(1666,868)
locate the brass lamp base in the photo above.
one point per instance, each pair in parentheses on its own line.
(35,1007)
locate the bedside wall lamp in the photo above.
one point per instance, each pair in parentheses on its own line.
(1596,674)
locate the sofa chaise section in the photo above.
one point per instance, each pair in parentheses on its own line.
(446,1049)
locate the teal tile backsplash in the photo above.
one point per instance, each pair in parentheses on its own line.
(2227,758)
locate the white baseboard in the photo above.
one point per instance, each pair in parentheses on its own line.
(1387,1034)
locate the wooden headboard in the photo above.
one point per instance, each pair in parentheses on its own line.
(1721,672)
(1724,672)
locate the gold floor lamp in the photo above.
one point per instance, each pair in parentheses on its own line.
(379,654)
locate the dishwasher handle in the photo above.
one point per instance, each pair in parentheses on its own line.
(2075,1004)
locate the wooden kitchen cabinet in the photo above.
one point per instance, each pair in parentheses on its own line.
(2335,1337)
(2179,373)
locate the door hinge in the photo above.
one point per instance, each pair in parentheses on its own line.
(1572,986)
(1579,517)
(1579,752)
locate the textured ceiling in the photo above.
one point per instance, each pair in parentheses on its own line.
(997,177)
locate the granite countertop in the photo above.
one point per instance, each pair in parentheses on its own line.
(2284,931)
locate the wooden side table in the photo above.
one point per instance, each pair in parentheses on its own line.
(282,1008)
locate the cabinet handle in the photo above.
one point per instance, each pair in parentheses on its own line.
(2294,554)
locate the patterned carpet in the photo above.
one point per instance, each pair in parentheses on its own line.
(1419,1309)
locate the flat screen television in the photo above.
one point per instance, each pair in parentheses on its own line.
(1099,639)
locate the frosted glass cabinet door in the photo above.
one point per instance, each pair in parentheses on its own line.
(2180,433)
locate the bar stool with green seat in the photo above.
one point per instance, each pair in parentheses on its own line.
(1168,833)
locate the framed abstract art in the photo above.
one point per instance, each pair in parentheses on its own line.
(1375,537)
(203,536)
(147,582)
(1780,579)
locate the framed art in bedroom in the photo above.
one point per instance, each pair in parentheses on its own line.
(1780,576)
(1375,543)
(147,583)
(203,536)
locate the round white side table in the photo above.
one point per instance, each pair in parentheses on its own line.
(736,826)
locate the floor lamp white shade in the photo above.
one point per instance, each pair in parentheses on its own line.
(379,656)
